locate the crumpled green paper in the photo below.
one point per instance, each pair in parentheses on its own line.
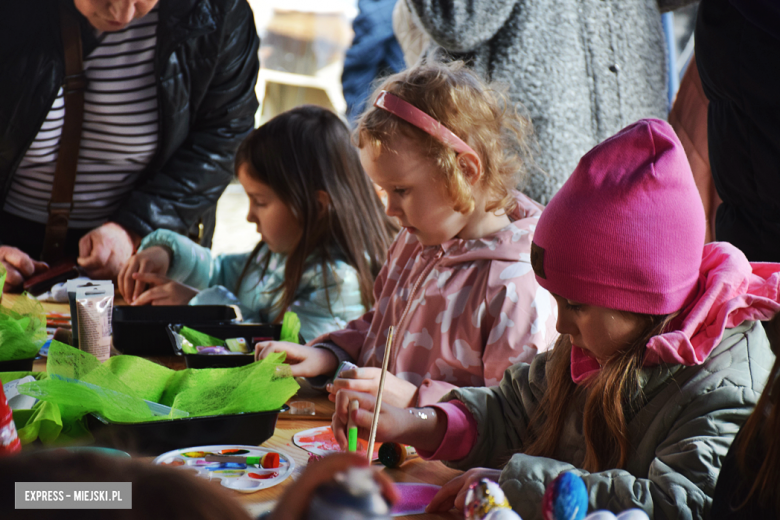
(124,382)
(200,339)
(291,327)
(22,327)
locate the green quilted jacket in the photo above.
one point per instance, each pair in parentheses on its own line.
(686,420)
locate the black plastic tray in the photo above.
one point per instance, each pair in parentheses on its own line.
(154,438)
(247,331)
(141,331)
(17,365)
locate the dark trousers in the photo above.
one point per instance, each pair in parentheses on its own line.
(739,66)
(28,236)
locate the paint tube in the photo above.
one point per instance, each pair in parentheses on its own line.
(94,308)
(72,286)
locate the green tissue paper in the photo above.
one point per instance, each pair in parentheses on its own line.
(291,327)
(199,339)
(22,327)
(119,389)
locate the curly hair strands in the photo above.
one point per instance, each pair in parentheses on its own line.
(478,113)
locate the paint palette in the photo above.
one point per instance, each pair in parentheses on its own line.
(239,476)
(320,441)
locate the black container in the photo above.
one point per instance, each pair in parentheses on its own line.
(154,438)
(247,332)
(17,365)
(141,331)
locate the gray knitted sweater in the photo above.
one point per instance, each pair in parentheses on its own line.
(583,69)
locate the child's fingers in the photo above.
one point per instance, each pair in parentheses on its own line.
(366,402)
(262,350)
(150,278)
(339,428)
(150,296)
(444,500)
(120,281)
(388,488)
(357,385)
(350,373)
(139,286)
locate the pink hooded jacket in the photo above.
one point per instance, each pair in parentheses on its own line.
(474,309)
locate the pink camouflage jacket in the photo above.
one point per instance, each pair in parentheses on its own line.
(474,309)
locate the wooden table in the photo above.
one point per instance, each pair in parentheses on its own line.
(416,470)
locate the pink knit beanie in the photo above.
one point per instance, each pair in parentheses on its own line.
(626,231)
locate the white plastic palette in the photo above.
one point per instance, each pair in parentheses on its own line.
(237,476)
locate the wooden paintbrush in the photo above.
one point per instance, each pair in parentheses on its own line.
(375,420)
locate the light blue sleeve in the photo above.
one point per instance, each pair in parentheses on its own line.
(195,266)
(341,288)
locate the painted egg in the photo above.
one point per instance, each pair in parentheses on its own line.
(566,498)
(601,515)
(633,514)
(483,497)
(502,513)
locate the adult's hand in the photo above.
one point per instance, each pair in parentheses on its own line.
(19,267)
(154,260)
(104,250)
(453,493)
(294,504)
(397,392)
(304,361)
(163,291)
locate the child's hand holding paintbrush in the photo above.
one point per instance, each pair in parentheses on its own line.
(397,391)
(422,428)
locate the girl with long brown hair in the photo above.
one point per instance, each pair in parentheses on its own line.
(660,359)
(323,227)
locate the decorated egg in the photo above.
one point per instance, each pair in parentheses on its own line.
(486,501)
(566,498)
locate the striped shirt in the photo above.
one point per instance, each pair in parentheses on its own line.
(118,138)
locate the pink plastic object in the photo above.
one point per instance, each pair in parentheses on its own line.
(414,498)
(413,115)
(9,440)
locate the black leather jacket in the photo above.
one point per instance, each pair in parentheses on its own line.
(206,65)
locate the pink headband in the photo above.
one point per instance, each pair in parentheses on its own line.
(413,115)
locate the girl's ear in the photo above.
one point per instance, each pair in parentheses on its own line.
(323,203)
(471,167)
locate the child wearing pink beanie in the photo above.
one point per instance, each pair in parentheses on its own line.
(661,357)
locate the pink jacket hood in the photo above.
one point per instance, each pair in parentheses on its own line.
(730,290)
(474,309)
